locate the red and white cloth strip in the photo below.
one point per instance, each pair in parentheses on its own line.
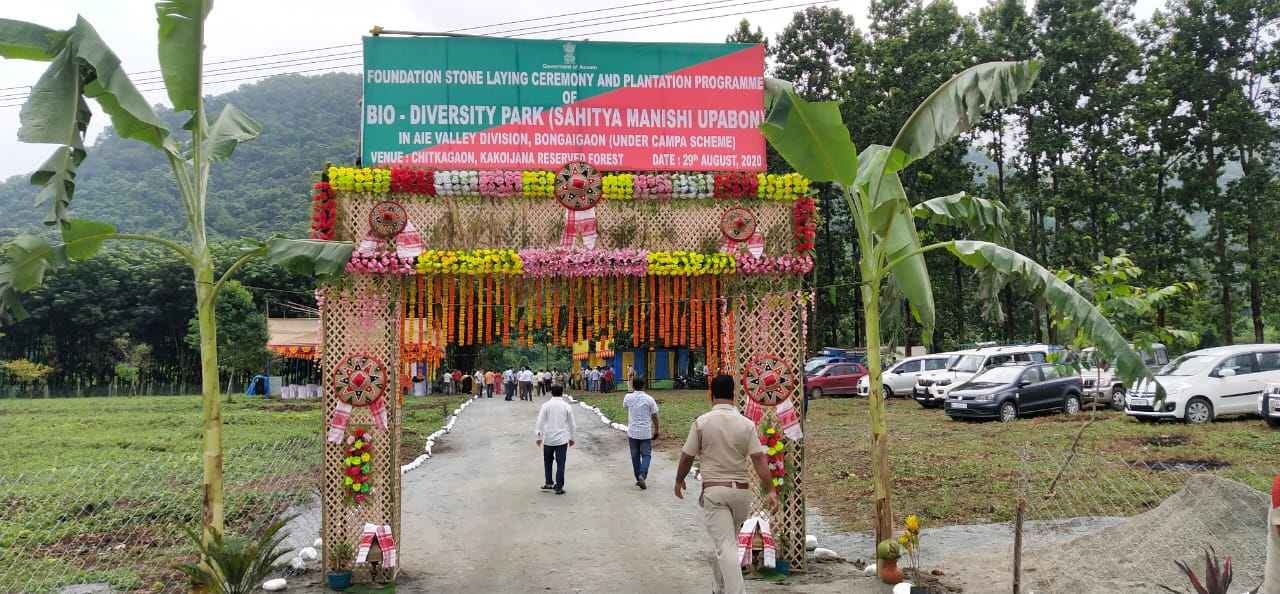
(378,408)
(753,409)
(790,419)
(749,529)
(338,426)
(381,532)
(579,220)
(755,244)
(408,242)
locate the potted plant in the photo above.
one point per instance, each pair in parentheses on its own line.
(887,554)
(340,557)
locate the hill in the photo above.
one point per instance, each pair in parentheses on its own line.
(263,189)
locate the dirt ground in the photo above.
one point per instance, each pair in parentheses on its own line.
(475,521)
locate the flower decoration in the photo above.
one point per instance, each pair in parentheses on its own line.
(618,186)
(323,211)
(469,262)
(360,180)
(652,186)
(787,186)
(568,262)
(692,185)
(380,263)
(736,185)
(355,474)
(538,184)
(413,181)
(806,224)
(776,449)
(682,263)
(909,540)
(457,182)
(775,265)
(500,184)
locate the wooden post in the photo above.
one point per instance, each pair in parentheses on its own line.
(1019,505)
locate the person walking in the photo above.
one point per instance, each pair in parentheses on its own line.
(728,446)
(478,380)
(537,381)
(556,429)
(448,383)
(608,379)
(509,383)
(457,381)
(642,429)
(525,377)
(488,383)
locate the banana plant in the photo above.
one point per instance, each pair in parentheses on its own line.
(82,68)
(814,140)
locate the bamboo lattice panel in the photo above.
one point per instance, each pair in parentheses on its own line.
(453,223)
(361,318)
(769,320)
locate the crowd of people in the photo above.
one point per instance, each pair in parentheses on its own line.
(485,383)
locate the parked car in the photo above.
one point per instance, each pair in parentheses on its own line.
(932,387)
(1011,390)
(1100,381)
(1269,404)
(1208,383)
(834,379)
(815,364)
(901,377)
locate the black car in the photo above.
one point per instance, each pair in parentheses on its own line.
(1014,389)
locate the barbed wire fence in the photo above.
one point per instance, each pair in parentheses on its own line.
(1095,523)
(122,523)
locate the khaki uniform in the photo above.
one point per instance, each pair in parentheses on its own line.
(723,440)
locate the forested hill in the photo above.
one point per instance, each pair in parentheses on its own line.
(263,189)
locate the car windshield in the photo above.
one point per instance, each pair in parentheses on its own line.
(965,363)
(998,375)
(1187,365)
(815,366)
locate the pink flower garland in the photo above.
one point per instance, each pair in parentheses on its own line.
(780,265)
(500,184)
(651,186)
(567,262)
(380,263)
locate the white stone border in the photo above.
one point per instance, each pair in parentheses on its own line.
(431,439)
(595,409)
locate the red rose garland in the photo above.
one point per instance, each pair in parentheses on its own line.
(355,475)
(806,224)
(323,211)
(736,185)
(413,181)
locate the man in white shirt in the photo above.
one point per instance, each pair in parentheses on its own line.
(642,429)
(525,377)
(556,429)
(509,383)
(537,380)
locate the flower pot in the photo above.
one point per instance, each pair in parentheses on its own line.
(889,572)
(783,566)
(339,580)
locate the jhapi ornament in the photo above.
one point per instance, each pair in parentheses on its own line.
(578,189)
(739,225)
(387,218)
(769,381)
(358,380)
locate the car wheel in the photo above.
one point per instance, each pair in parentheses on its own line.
(1117,399)
(815,393)
(1273,423)
(1199,411)
(1009,412)
(888,392)
(1072,405)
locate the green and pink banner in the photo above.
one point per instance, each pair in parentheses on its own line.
(481,103)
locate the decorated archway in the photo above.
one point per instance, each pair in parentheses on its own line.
(580,252)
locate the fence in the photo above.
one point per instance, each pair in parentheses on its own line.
(122,524)
(1103,524)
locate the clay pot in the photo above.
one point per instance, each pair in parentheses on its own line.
(889,572)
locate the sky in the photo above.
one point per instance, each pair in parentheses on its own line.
(237,30)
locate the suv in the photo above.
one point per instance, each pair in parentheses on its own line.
(1013,389)
(836,378)
(1101,383)
(931,389)
(1269,404)
(901,377)
(1207,383)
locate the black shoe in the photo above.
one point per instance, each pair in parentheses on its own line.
(548,487)
(559,491)
(641,484)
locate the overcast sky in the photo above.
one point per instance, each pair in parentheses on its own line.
(239,29)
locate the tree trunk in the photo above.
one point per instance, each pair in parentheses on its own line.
(211,405)
(1255,288)
(879,434)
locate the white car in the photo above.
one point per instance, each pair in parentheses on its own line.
(932,387)
(1208,383)
(900,378)
(1101,383)
(1269,404)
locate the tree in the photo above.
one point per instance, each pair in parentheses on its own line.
(744,34)
(242,333)
(814,140)
(133,358)
(83,67)
(26,373)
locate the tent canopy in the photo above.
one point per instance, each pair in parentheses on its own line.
(294,337)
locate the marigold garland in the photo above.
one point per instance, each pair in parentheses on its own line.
(360,180)
(469,262)
(681,263)
(785,186)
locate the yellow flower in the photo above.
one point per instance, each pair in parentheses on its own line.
(364,457)
(905,541)
(913,524)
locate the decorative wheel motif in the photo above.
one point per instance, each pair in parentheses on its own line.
(577,186)
(768,380)
(360,379)
(387,218)
(738,223)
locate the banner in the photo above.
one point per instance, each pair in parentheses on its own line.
(475,103)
